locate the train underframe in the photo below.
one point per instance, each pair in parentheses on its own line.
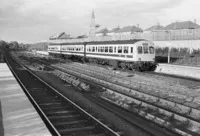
(134,65)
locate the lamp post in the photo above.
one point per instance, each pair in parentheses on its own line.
(169,48)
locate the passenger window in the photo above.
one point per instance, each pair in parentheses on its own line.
(93,49)
(131,49)
(139,49)
(106,49)
(151,50)
(145,48)
(111,49)
(126,49)
(119,49)
(115,49)
(99,49)
(102,49)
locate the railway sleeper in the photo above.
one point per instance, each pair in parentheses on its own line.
(47,103)
(79,131)
(64,116)
(101,134)
(52,107)
(74,125)
(45,100)
(70,123)
(58,112)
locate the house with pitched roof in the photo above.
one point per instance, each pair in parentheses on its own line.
(113,31)
(182,25)
(102,32)
(154,28)
(61,35)
(182,30)
(129,30)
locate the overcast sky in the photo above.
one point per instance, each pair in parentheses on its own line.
(36,20)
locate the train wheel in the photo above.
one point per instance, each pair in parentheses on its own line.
(131,66)
(141,69)
(123,65)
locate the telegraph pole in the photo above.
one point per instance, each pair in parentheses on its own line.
(169,48)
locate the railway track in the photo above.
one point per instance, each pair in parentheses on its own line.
(129,118)
(62,116)
(143,102)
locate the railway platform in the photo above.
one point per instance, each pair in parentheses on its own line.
(179,70)
(18,117)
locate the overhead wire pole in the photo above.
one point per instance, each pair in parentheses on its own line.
(169,49)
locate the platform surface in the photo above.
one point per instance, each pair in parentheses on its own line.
(17,115)
(179,70)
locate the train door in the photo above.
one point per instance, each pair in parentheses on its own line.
(132,52)
(84,51)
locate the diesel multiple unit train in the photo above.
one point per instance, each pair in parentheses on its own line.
(131,54)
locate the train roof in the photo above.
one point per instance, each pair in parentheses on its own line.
(104,42)
(117,42)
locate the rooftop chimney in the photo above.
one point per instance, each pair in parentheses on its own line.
(195,21)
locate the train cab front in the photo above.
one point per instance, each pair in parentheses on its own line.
(145,56)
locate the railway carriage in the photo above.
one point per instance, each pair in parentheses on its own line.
(131,54)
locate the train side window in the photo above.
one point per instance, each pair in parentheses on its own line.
(139,49)
(125,49)
(146,49)
(115,48)
(93,49)
(119,49)
(151,50)
(131,49)
(102,49)
(111,49)
(106,49)
(99,49)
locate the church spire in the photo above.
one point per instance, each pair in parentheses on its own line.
(92,25)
